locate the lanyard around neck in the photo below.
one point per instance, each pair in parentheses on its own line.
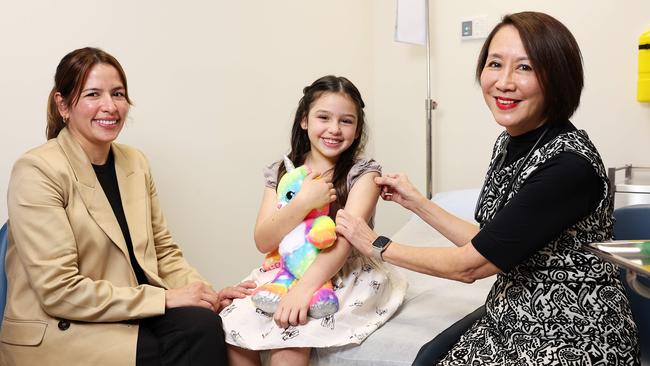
(502,198)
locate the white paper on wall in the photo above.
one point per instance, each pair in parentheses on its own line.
(410,23)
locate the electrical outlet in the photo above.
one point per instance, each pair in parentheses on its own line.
(473,27)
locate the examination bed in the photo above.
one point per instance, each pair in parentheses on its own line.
(431,304)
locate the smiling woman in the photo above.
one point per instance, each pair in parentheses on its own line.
(99,112)
(71,80)
(510,85)
(91,263)
(545,195)
(530,71)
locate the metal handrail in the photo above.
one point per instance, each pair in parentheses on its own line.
(631,277)
(611,175)
(632,271)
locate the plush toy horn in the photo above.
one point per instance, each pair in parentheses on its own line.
(288,164)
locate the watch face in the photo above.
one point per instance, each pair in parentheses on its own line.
(380,242)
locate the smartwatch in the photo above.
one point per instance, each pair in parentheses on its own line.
(379,246)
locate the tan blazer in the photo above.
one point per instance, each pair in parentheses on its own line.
(73,294)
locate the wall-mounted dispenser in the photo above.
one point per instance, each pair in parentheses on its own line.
(643,86)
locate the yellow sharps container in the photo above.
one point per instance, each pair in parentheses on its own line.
(643,87)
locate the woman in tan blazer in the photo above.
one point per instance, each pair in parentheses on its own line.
(94,275)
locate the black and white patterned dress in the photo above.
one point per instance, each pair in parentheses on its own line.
(563,305)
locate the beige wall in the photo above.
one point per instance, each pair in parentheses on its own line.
(464,130)
(215,84)
(607,33)
(400,87)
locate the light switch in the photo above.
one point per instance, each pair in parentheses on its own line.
(467,28)
(473,27)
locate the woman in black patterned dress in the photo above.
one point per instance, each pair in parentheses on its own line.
(545,195)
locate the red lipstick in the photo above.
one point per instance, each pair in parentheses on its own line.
(504,103)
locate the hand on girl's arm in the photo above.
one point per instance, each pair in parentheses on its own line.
(228,294)
(356,231)
(398,188)
(462,263)
(361,203)
(362,200)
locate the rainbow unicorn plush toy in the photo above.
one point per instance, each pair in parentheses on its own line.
(297,251)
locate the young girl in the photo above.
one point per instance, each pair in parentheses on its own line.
(328,135)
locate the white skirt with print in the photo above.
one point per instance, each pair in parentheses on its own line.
(369,293)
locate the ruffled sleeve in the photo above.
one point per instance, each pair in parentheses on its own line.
(361,167)
(271,175)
